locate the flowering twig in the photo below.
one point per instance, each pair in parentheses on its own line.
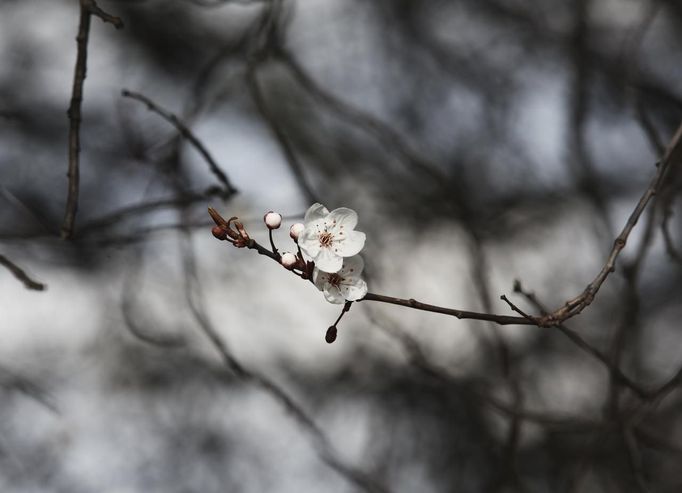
(237,235)
(320,440)
(322,239)
(88,8)
(393,141)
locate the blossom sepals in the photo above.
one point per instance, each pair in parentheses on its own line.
(224,230)
(344,285)
(329,237)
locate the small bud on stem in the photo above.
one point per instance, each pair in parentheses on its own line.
(296,230)
(289,260)
(272,220)
(330,336)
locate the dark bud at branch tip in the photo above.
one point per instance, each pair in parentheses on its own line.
(219,232)
(331,334)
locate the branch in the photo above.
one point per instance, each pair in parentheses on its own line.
(572,307)
(126,212)
(20,274)
(581,343)
(460,314)
(576,305)
(88,8)
(409,303)
(93,8)
(393,141)
(187,134)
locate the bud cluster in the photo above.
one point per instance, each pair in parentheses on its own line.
(330,245)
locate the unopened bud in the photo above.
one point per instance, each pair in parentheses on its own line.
(288,260)
(330,336)
(219,232)
(272,220)
(296,230)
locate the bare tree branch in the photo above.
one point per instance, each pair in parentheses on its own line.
(187,134)
(21,275)
(88,8)
(576,305)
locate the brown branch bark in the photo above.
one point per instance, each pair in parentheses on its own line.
(88,8)
(187,134)
(460,314)
(576,305)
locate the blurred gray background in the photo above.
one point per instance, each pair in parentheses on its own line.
(480,141)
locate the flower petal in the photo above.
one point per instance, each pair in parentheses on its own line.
(315,211)
(332,294)
(343,216)
(320,278)
(352,266)
(354,290)
(351,244)
(309,241)
(327,261)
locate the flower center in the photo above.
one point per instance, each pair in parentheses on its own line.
(326,239)
(335,280)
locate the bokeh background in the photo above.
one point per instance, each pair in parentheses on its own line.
(480,141)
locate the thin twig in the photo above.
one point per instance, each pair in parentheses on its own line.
(421,362)
(581,343)
(461,314)
(88,8)
(129,211)
(292,160)
(576,305)
(187,134)
(94,9)
(21,275)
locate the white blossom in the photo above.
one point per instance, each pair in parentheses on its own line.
(328,237)
(344,285)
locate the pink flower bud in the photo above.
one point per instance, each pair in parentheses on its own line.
(296,230)
(272,220)
(289,260)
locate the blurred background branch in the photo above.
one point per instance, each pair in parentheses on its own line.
(479,141)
